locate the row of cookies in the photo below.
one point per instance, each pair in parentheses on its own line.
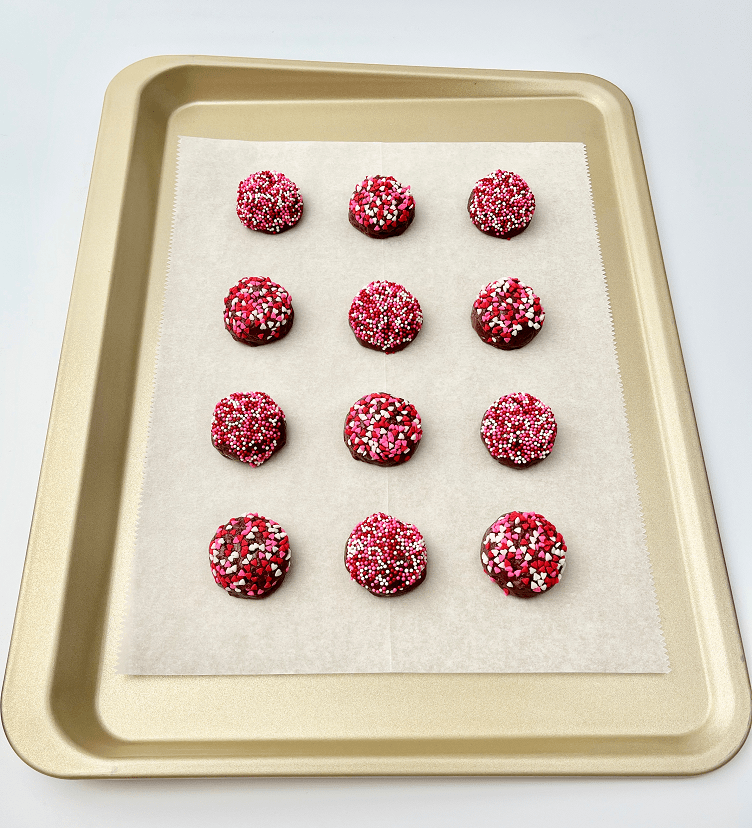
(522,552)
(501,204)
(384,315)
(383,430)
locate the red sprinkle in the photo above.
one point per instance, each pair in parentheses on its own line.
(506,310)
(385,316)
(523,553)
(258,310)
(269,202)
(248,427)
(386,556)
(249,556)
(501,205)
(382,429)
(519,430)
(381,206)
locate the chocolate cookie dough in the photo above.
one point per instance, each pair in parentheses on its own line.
(385,316)
(518,430)
(249,556)
(248,427)
(501,205)
(381,207)
(269,202)
(382,430)
(385,556)
(523,553)
(507,314)
(258,311)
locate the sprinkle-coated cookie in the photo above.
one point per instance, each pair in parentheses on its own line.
(249,556)
(518,430)
(501,205)
(385,555)
(258,311)
(523,553)
(269,202)
(382,430)
(507,314)
(248,427)
(381,207)
(385,316)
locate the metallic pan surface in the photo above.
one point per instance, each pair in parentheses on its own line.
(68,713)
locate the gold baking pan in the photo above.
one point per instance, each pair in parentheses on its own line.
(65,709)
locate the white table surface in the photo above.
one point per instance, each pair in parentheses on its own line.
(683,66)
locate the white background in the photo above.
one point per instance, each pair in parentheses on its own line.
(683,66)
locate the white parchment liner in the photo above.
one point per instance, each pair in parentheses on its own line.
(603,616)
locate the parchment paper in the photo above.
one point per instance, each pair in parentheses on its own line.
(602,617)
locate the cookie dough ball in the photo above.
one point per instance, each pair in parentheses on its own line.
(518,430)
(258,311)
(501,205)
(507,314)
(385,316)
(269,202)
(382,430)
(249,556)
(381,207)
(385,555)
(248,427)
(523,553)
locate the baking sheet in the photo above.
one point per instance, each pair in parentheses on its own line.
(602,617)
(65,708)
